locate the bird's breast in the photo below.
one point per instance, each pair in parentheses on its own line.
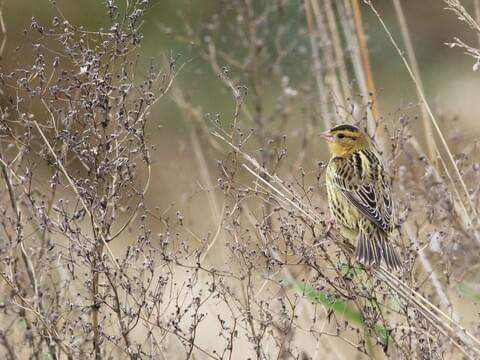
(344,213)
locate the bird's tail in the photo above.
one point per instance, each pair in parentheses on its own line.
(371,250)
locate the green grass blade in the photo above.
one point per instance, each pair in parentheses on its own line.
(339,306)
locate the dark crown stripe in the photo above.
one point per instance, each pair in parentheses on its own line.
(345,127)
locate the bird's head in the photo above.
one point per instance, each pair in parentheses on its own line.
(345,139)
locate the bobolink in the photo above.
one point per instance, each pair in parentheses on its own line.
(359,195)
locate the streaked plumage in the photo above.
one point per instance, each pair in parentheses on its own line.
(359,195)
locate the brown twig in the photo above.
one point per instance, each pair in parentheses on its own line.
(374,122)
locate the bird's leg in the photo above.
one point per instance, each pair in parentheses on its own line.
(329,226)
(369,269)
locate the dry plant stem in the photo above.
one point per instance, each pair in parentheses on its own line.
(442,322)
(423,258)
(133,215)
(432,118)
(431,148)
(331,78)
(463,15)
(52,332)
(268,183)
(80,198)
(288,275)
(19,238)
(274,179)
(100,245)
(317,66)
(338,51)
(18,231)
(96,307)
(279,193)
(458,205)
(457,7)
(477,17)
(93,145)
(237,91)
(374,120)
(298,203)
(412,59)
(431,273)
(216,213)
(6,344)
(350,37)
(183,338)
(437,317)
(195,114)
(110,145)
(4,33)
(118,303)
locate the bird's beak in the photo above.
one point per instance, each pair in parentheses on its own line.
(326,135)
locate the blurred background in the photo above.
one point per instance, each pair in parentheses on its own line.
(449,81)
(279,96)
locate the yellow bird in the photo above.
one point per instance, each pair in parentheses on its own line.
(359,195)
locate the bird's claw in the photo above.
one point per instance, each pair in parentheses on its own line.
(329,226)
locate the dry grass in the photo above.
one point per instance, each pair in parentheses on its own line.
(246,268)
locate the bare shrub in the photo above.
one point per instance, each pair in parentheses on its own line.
(90,269)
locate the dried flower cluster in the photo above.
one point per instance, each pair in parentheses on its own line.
(89,269)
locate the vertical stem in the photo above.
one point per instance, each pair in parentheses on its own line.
(427,125)
(367,70)
(215,211)
(317,66)
(3,29)
(348,27)
(431,274)
(331,78)
(337,48)
(95,300)
(477,16)
(19,230)
(442,139)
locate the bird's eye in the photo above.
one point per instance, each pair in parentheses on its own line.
(340,136)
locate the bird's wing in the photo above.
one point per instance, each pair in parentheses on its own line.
(364,186)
